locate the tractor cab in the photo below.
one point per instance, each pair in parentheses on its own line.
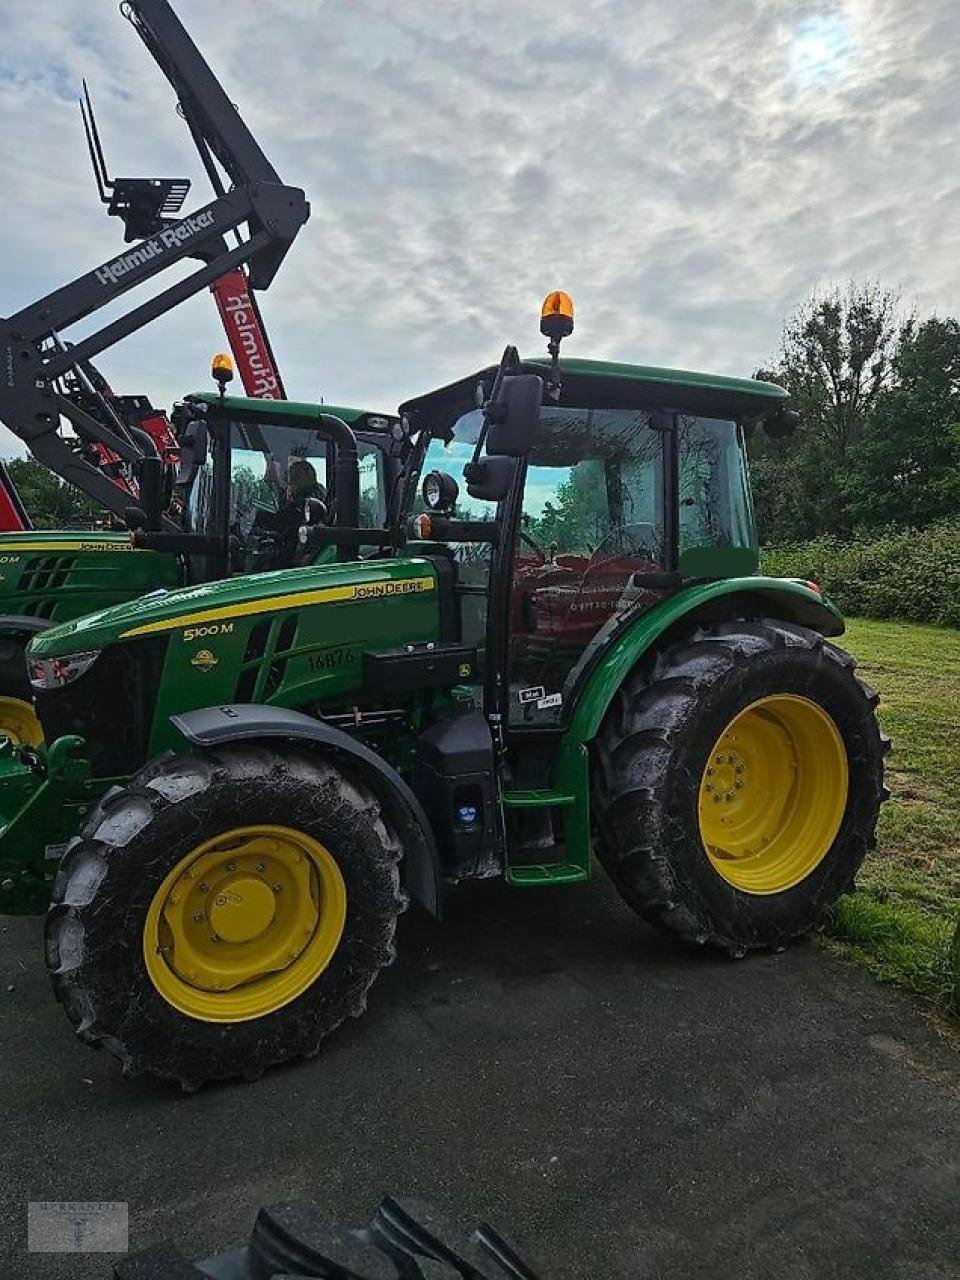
(254,472)
(635,483)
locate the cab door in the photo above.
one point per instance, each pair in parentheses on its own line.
(590,531)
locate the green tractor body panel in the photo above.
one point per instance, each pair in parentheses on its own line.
(62,574)
(292,639)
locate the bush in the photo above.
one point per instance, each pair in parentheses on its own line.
(909,574)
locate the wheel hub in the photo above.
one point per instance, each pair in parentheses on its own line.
(773,794)
(242,908)
(244,923)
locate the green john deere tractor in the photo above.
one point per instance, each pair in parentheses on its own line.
(51,576)
(561,642)
(238,457)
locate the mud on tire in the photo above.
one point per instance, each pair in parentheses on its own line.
(650,756)
(132,839)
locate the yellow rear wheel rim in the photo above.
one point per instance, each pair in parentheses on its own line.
(245,923)
(19,723)
(773,794)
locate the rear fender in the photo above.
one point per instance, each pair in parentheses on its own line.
(220,726)
(786,598)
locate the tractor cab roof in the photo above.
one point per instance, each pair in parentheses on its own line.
(607,384)
(244,406)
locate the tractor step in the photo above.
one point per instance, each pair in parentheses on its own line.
(537,799)
(543,873)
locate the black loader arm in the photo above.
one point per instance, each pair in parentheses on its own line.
(265,214)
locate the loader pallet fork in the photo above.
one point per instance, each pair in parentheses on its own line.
(147,206)
(266,214)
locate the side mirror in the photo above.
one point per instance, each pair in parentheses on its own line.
(489,480)
(513,418)
(781,424)
(150,480)
(193,450)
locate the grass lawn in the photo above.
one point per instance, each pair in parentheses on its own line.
(902,918)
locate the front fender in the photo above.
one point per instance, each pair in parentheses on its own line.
(22,624)
(218,726)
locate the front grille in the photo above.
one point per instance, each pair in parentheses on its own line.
(111,705)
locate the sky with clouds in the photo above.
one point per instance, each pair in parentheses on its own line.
(689,171)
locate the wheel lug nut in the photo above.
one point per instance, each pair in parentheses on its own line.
(261,867)
(214,937)
(198,917)
(709,773)
(278,888)
(204,887)
(739,768)
(231,866)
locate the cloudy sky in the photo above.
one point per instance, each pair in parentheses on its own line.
(687,170)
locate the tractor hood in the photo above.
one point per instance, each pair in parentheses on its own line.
(162,611)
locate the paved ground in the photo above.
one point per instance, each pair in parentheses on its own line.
(625,1107)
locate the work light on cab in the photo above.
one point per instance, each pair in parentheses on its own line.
(221,369)
(556,323)
(556,316)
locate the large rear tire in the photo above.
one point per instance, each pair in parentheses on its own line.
(738,781)
(225,912)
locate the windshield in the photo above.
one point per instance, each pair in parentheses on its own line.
(275,469)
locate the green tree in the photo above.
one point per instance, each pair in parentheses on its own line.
(50,502)
(838,357)
(905,468)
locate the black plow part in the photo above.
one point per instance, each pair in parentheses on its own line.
(406,1239)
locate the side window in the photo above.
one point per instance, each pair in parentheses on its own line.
(717,529)
(373,496)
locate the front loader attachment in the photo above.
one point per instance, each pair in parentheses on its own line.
(265,214)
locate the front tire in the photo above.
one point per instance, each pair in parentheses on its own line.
(223,913)
(737,785)
(18,718)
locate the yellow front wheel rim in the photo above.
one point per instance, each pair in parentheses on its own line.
(19,723)
(773,794)
(245,923)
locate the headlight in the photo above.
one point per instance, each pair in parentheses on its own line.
(53,673)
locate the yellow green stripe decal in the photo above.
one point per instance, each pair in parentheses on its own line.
(294,600)
(44,547)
